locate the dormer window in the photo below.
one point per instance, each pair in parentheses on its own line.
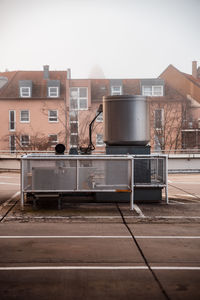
(116,90)
(153,87)
(53,88)
(53,92)
(154,90)
(25,88)
(25,92)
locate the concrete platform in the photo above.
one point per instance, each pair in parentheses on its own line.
(88,251)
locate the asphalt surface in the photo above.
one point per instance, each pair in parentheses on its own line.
(101,251)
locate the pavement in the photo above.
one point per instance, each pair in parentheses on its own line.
(101,250)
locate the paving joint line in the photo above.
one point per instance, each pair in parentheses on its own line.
(143,256)
(8,202)
(184,191)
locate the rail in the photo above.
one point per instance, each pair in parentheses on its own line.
(60,174)
(100,150)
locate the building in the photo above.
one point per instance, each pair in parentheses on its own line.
(41,108)
(32,109)
(189,87)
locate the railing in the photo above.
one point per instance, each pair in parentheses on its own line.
(178,151)
(18,153)
(93,173)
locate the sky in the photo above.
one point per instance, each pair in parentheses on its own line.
(95,38)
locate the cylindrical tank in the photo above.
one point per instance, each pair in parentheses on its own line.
(126,120)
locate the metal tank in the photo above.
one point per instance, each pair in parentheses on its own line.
(126,120)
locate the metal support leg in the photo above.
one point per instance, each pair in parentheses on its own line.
(22,186)
(59,202)
(34,203)
(22,200)
(132,185)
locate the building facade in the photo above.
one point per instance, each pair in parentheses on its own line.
(189,87)
(39,109)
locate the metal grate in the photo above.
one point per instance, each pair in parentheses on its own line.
(93,173)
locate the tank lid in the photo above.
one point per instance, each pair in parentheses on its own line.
(124,97)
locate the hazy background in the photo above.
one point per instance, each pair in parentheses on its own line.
(125,38)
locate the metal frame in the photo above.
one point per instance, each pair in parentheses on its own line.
(130,183)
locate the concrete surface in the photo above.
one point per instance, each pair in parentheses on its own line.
(88,251)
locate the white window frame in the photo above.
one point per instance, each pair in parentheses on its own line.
(113,92)
(73,134)
(73,122)
(53,94)
(21,121)
(98,144)
(79,98)
(26,144)
(152,93)
(25,92)
(53,143)
(51,117)
(14,122)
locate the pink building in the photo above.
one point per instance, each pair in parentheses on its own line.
(39,109)
(32,109)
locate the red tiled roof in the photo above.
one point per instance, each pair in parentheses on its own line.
(191,78)
(101,87)
(39,88)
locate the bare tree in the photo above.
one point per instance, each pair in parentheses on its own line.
(167,122)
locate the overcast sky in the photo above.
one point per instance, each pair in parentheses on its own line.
(125,38)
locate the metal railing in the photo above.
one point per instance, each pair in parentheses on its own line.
(92,173)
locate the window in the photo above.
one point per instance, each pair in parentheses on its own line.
(73,122)
(79,98)
(158,118)
(24,139)
(25,92)
(116,90)
(53,139)
(100,118)
(53,116)
(99,140)
(73,116)
(53,92)
(12,143)
(74,127)
(152,90)
(74,140)
(24,116)
(12,120)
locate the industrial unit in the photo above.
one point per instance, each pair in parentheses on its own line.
(127,167)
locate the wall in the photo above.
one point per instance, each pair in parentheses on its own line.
(176,163)
(39,124)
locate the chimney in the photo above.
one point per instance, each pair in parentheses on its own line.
(194,69)
(46,71)
(68,73)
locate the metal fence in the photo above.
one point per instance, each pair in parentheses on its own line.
(92,173)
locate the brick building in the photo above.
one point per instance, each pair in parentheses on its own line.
(32,109)
(41,108)
(189,87)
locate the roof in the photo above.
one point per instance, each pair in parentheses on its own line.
(102,87)
(193,79)
(39,84)
(185,83)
